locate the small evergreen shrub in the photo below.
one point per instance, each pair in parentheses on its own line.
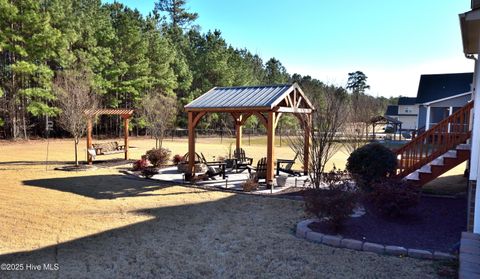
(333,204)
(371,163)
(158,157)
(393,197)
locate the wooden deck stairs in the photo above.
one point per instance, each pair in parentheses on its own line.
(437,150)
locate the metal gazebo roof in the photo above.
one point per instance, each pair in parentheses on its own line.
(246,98)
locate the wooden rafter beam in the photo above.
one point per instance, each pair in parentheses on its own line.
(299,101)
(294,110)
(245,117)
(197,117)
(262,118)
(277,118)
(289,101)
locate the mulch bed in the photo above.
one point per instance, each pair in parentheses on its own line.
(435,224)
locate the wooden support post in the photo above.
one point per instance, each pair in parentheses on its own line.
(238,130)
(306,146)
(270,147)
(238,133)
(89,140)
(125,135)
(191,145)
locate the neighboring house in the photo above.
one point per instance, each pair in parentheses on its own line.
(406,112)
(440,95)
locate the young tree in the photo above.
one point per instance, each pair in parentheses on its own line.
(275,72)
(176,11)
(75,95)
(359,112)
(159,112)
(327,120)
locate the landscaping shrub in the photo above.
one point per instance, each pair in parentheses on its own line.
(371,163)
(141,164)
(332,205)
(177,159)
(158,157)
(250,185)
(393,197)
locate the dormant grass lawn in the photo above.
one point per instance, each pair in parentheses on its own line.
(103,224)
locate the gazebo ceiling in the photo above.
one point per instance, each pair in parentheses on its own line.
(282,98)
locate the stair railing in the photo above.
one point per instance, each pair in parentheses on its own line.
(437,140)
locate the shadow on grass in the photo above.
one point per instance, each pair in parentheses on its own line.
(206,239)
(100,186)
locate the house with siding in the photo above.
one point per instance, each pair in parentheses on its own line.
(406,111)
(441,95)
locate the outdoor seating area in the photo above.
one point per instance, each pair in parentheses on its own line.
(218,176)
(242,103)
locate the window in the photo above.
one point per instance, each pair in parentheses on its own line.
(408,110)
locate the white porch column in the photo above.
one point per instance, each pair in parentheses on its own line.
(427,124)
(475,148)
(450,111)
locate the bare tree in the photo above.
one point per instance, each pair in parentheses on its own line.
(362,109)
(327,120)
(75,95)
(159,112)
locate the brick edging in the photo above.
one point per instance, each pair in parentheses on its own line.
(303,231)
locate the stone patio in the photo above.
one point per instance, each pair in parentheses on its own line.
(232,181)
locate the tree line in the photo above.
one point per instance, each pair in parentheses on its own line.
(128,58)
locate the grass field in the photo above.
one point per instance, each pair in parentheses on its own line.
(101,223)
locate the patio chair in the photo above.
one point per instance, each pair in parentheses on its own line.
(241,160)
(285,165)
(198,158)
(260,172)
(214,168)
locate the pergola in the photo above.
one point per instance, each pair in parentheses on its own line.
(267,103)
(126,114)
(385,120)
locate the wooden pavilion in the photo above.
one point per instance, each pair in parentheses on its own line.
(267,103)
(126,114)
(386,120)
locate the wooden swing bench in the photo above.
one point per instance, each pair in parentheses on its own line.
(108,148)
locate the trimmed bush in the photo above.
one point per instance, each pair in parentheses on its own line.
(393,197)
(177,159)
(158,157)
(334,204)
(141,164)
(371,163)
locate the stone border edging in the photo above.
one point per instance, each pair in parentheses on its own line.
(303,231)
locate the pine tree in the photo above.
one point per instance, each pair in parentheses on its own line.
(275,72)
(29,44)
(176,11)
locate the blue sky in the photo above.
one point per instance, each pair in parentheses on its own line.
(392,42)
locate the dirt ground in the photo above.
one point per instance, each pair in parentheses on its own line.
(103,224)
